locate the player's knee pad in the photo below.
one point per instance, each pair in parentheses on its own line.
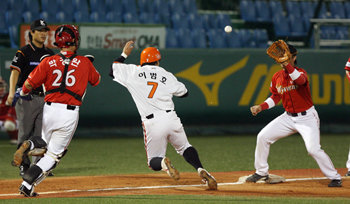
(9,125)
(156,163)
(33,174)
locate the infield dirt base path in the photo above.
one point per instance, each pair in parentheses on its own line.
(161,183)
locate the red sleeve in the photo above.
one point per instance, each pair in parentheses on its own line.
(301,80)
(276,97)
(347,65)
(348,75)
(94,77)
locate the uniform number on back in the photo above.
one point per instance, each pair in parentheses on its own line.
(154,88)
(70,79)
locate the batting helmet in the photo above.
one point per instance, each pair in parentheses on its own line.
(67,35)
(149,55)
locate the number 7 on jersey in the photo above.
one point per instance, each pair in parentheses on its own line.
(154,88)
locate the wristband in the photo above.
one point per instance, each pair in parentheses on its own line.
(124,55)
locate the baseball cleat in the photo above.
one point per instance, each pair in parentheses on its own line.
(18,156)
(208,179)
(256,177)
(347,174)
(335,183)
(171,171)
(26,192)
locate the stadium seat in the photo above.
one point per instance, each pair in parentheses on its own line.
(342,32)
(29,17)
(280,24)
(113,17)
(146,18)
(189,6)
(233,39)
(50,7)
(129,7)
(262,11)
(67,7)
(48,17)
(293,8)
(199,38)
(275,6)
(194,21)
(15,6)
(179,21)
(306,22)
(12,18)
(81,17)
(216,38)
(32,6)
(209,22)
(3,26)
(308,9)
(328,32)
(247,38)
(98,6)
(247,13)
(296,26)
(171,39)
(347,9)
(130,18)
(175,7)
(184,38)
(97,17)
(261,38)
(337,9)
(145,6)
(323,12)
(3,7)
(222,20)
(13,32)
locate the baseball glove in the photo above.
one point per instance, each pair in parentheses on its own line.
(279,51)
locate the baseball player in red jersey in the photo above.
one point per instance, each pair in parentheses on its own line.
(292,86)
(7,114)
(64,77)
(152,88)
(347,72)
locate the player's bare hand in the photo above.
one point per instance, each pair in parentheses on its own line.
(255,109)
(9,100)
(129,46)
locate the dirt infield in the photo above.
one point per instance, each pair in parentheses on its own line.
(160,183)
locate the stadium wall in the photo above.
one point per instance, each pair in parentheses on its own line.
(222,84)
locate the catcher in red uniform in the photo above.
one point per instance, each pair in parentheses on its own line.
(7,114)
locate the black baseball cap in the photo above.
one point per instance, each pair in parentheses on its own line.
(38,25)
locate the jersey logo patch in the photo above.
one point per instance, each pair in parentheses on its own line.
(34,63)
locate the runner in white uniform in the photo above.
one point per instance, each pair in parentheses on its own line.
(152,89)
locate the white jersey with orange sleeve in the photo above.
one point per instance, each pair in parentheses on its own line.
(151,87)
(50,73)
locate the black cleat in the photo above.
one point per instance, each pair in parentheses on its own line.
(26,192)
(335,183)
(256,177)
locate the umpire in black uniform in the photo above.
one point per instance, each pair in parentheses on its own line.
(29,113)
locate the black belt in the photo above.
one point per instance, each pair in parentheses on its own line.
(37,93)
(69,107)
(296,114)
(150,116)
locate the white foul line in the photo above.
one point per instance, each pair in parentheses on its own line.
(152,187)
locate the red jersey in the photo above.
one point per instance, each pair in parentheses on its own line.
(295,98)
(347,65)
(7,112)
(50,73)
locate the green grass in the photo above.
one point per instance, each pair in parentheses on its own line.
(217,153)
(154,199)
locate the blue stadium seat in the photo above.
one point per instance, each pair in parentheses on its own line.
(337,10)
(29,17)
(189,6)
(67,7)
(199,38)
(12,18)
(184,38)
(48,17)
(233,39)
(261,38)
(347,9)
(98,6)
(307,23)
(296,26)
(280,24)
(342,32)
(171,39)
(3,26)
(194,21)
(16,6)
(130,18)
(97,17)
(145,6)
(222,20)
(247,13)
(146,18)
(13,32)
(129,6)
(275,6)
(328,32)
(216,38)
(114,6)
(263,11)
(209,21)
(113,17)
(308,8)
(3,7)
(323,12)
(51,7)
(293,8)
(81,17)
(247,38)
(31,6)
(175,7)
(179,21)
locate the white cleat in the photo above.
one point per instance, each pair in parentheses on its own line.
(171,171)
(208,179)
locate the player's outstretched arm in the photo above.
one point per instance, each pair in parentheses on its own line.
(255,109)
(129,46)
